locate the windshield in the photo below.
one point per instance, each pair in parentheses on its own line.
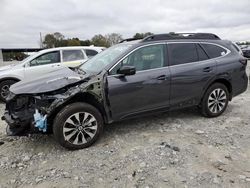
(29,57)
(103,59)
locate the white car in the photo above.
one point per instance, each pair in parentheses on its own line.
(43,62)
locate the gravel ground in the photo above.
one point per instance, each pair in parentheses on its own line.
(175,149)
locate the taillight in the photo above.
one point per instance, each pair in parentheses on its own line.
(243,61)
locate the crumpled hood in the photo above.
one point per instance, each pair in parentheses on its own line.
(50,82)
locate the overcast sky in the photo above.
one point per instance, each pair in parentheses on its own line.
(22,20)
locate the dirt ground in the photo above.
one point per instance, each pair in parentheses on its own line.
(174,149)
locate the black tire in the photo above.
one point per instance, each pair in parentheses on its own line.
(69,112)
(211,109)
(3,86)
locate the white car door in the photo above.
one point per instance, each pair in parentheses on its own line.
(73,58)
(43,64)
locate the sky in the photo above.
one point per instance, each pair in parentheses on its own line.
(21,21)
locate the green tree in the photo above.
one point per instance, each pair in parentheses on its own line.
(100,40)
(62,43)
(142,35)
(59,39)
(49,41)
(58,36)
(85,42)
(74,42)
(243,43)
(54,40)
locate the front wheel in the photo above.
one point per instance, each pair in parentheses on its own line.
(215,100)
(77,126)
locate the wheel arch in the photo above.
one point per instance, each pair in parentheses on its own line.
(228,84)
(81,97)
(223,81)
(9,78)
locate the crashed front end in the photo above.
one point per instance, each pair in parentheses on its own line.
(20,114)
(33,113)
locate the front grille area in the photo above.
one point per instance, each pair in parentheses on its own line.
(21,107)
(21,103)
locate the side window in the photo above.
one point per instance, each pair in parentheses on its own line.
(48,58)
(201,53)
(214,51)
(181,53)
(72,55)
(90,53)
(145,58)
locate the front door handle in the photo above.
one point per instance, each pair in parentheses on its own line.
(162,77)
(207,69)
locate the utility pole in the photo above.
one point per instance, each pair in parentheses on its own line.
(41,40)
(1,57)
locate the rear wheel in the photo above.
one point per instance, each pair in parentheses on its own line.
(5,89)
(78,126)
(215,100)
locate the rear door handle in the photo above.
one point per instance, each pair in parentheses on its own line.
(162,77)
(207,69)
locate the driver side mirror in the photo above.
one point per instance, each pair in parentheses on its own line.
(126,70)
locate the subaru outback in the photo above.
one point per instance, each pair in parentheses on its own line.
(135,77)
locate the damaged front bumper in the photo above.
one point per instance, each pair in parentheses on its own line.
(27,114)
(15,127)
(19,116)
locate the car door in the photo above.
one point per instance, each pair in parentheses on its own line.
(73,58)
(147,90)
(43,64)
(191,69)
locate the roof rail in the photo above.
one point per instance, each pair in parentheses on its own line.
(130,39)
(173,36)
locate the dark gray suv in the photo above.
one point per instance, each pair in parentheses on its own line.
(158,73)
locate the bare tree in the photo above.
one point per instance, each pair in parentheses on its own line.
(113,38)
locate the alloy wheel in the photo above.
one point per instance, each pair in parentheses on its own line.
(217,100)
(80,128)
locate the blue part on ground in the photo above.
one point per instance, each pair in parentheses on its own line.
(40,121)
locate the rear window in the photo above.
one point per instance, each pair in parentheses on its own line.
(181,53)
(72,55)
(90,53)
(214,51)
